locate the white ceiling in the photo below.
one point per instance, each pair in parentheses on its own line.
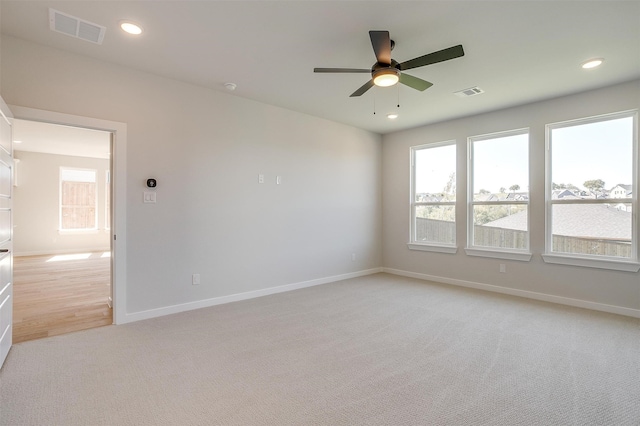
(516,51)
(49,138)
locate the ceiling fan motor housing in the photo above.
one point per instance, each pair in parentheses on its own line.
(379,65)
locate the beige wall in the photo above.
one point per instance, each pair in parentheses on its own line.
(36,205)
(604,287)
(206,149)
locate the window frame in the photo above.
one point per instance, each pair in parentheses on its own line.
(471,249)
(429,246)
(589,260)
(60,205)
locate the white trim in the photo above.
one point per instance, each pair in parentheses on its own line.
(498,254)
(174,309)
(592,262)
(500,134)
(433,248)
(79,231)
(602,307)
(118,197)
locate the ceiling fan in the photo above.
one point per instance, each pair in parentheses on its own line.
(387,72)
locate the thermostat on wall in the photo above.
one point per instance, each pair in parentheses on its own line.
(151,183)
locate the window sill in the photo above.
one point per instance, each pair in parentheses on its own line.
(499,254)
(77,231)
(433,248)
(616,265)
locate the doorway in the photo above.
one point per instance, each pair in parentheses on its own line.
(62,229)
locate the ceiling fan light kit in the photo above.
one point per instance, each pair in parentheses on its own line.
(386,77)
(388,72)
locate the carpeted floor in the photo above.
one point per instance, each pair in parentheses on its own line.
(376,350)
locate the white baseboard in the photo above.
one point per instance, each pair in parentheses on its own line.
(174,309)
(620,310)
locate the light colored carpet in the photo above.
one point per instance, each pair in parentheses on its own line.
(376,350)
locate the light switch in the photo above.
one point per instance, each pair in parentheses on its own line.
(149,197)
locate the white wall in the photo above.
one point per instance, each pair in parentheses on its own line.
(620,289)
(206,149)
(36,206)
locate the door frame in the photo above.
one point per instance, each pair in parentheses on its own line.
(6,285)
(118,194)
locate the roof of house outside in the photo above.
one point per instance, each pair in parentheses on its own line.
(578,220)
(623,186)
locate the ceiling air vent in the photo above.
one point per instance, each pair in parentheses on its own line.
(472,91)
(75,27)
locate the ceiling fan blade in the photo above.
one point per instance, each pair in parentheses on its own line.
(341,70)
(432,58)
(414,82)
(368,85)
(381,43)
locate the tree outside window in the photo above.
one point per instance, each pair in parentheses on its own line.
(433,202)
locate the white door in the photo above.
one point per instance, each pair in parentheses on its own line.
(6,231)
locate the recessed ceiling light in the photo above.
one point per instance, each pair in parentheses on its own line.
(17,141)
(592,63)
(392,116)
(130,27)
(230,86)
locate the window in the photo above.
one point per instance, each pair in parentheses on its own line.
(592,189)
(433,197)
(78,199)
(499,195)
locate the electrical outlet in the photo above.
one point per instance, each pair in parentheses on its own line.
(260,178)
(195,279)
(503,268)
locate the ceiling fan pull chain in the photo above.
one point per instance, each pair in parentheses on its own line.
(398,95)
(374,102)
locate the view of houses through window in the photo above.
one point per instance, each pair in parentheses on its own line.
(499,190)
(591,180)
(590,166)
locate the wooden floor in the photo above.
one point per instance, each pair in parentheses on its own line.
(57,294)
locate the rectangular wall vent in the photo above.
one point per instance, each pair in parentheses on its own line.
(472,91)
(75,27)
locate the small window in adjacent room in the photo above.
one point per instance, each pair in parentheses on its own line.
(433,197)
(78,199)
(498,199)
(592,190)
